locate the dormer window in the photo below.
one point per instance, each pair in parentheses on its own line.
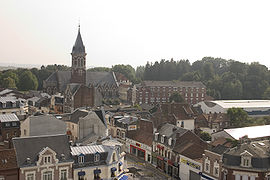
(81,158)
(246,159)
(96,157)
(162,138)
(156,136)
(47,159)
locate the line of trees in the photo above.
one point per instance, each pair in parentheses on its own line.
(224,79)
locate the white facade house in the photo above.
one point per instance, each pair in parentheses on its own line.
(139,149)
(97,162)
(189,169)
(186,124)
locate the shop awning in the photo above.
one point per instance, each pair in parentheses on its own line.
(113,169)
(124,177)
(81,173)
(97,171)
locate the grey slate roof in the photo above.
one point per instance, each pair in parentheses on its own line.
(168,130)
(78,46)
(30,147)
(62,78)
(46,125)
(77,114)
(174,83)
(74,87)
(220,149)
(260,155)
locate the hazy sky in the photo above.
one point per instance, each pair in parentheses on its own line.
(134,32)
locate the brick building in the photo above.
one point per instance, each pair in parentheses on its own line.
(179,114)
(212,162)
(8,165)
(9,128)
(155,92)
(172,142)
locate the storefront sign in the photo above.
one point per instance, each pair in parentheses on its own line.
(132,127)
(160,147)
(137,144)
(191,164)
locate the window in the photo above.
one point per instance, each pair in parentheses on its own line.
(30,176)
(7,124)
(97,173)
(114,158)
(123,135)
(81,159)
(162,139)
(182,124)
(216,169)
(156,136)
(14,124)
(47,175)
(207,165)
(96,157)
(63,174)
(47,159)
(246,159)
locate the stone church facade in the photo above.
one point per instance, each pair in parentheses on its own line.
(81,88)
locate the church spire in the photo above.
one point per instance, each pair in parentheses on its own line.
(78,47)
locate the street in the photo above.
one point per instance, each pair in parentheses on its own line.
(142,170)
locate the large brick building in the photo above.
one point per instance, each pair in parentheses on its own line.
(154,92)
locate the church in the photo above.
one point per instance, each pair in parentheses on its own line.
(81,88)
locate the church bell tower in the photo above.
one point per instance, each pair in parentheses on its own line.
(78,70)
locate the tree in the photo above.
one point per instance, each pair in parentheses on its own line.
(208,71)
(205,136)
(28,81)
(9,83)
(176,97)
(266,94)
(238,117)
(127,70)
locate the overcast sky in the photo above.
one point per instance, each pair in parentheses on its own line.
(134,32)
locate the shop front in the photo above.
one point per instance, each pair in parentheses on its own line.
(137,152)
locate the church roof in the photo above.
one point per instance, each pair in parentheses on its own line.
(62,78)
(78,46)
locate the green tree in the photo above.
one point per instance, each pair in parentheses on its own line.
(176,97)
(238,117)
(8,82)
(266,94)
(126,70)
(205,136)
(27,81)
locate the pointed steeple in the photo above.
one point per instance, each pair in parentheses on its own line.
(78,47)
